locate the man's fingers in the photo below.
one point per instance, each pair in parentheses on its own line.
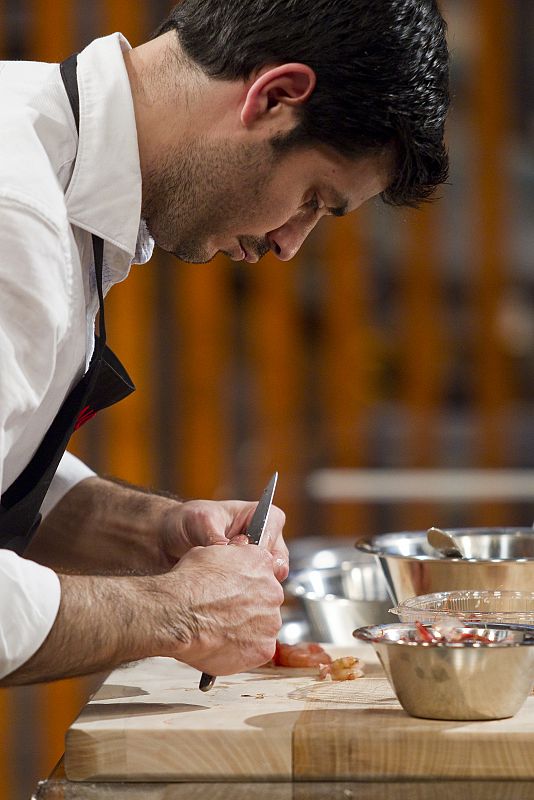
(240,538)
(273,541)
(273,530)
(280,565)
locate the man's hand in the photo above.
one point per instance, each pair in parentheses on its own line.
(233,602)
(206,522)
(105,527)
(218,610)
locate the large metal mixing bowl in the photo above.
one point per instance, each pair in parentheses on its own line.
(496,558)
(336,600)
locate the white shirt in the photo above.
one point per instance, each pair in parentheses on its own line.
(55,191)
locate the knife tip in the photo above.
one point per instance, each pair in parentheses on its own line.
(206,682)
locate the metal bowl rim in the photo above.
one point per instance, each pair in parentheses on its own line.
(335,598)
(363,545)
(344,566)
(342,553)
(359,633)
(294,581)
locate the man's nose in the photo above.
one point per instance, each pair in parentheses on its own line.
(285,242)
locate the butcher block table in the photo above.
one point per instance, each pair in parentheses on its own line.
(150,724)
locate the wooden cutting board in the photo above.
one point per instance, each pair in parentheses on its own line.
(149,722)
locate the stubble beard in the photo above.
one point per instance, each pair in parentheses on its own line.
(205,192)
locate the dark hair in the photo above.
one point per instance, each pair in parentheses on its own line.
(381,65)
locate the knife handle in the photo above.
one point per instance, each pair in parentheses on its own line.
(206,682)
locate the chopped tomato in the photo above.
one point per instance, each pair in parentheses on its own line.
(474,637)
(435,635)
(424,633)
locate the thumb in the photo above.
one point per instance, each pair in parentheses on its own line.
(213,536)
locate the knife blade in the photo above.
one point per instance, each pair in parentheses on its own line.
(258,523)
(254,532)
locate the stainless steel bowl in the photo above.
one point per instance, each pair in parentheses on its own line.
(497,558)
(295,627)
(338,599)
(455,681)
(322,552)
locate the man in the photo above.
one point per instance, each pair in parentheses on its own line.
(234,130)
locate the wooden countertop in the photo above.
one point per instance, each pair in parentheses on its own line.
(150,722)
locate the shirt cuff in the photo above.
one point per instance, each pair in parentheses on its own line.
(29,602)
(69,472)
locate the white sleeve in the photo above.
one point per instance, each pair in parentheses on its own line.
(29,602)
(70,472)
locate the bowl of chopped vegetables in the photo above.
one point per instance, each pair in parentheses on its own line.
(455,671)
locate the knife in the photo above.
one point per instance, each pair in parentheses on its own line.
(254,532)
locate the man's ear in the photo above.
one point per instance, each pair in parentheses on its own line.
(276,90)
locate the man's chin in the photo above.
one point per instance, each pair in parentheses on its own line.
(191,256)
(187,255)
(190,259)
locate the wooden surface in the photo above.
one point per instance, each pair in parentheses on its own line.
(150,723)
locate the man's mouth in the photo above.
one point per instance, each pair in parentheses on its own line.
(252,258)
(236,254)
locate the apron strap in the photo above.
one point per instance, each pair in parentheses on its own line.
(68,69)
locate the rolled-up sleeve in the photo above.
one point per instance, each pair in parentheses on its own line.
(29,603)
(70,472)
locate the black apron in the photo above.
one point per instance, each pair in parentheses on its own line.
(105,383)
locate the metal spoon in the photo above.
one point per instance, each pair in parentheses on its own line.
(444,543)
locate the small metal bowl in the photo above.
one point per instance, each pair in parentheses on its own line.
(462,681)
(496,558)
(469,605)
(322,552)
(348,593)
(295,627)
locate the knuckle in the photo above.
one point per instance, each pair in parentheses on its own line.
(266,650)
(266,556)
(202,515)
(261,558)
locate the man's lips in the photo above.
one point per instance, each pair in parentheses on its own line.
(235,255)
(242,254)
(252,258)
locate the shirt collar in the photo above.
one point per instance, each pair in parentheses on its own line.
(104,193)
